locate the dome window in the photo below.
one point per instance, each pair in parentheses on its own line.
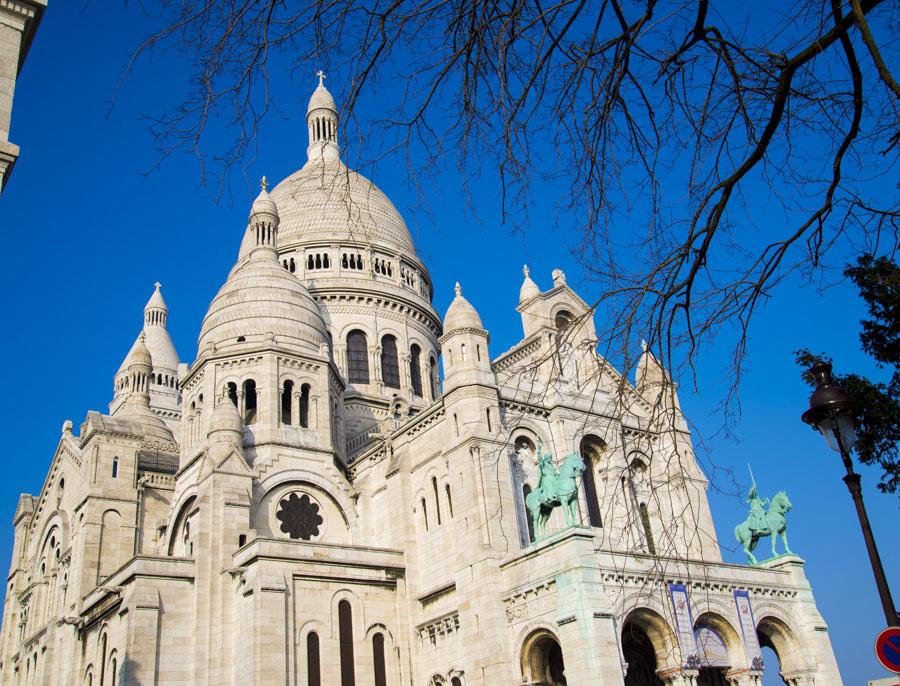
(249,401)
(287,398)
(415,371)
(357,357)
(390,365)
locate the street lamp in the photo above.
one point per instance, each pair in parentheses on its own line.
(831,412)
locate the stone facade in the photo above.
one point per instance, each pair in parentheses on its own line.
(19,20)
(307,504)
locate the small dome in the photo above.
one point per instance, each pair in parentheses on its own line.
(461,314)
(264,203)
(529,288)
(260,299)
(225,419)
(321,99)
(139,355)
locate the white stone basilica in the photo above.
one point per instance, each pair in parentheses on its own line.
(308,504)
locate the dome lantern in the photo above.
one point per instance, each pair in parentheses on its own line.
(322,122)
(262,225)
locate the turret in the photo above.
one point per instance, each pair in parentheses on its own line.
(322,121)
(262,226)
(464,346)
(226,433)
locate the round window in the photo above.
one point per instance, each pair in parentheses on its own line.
(299,516)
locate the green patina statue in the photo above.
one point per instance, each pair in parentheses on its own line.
(762,522)
(554,488)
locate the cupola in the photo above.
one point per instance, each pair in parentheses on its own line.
(464,346)
(529,288)
(322,122)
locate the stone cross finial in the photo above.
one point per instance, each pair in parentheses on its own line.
(458,288)
(526,271)
(321,75)
(157,285)
(263,183)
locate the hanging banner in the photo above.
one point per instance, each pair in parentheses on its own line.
(748,630)
(684,626)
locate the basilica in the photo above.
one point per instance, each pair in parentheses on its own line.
(345,488)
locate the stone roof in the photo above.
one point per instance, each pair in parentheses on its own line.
(461,314)
(326,202)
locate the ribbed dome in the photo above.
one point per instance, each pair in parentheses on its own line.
(321,99)
(261,299)
(461,314)
(225,419)
(138,356)
(324,201)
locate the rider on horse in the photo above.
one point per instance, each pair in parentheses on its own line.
(757,518)
(548,472)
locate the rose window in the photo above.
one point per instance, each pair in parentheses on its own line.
(299,516)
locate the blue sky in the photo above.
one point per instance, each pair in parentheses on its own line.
(88,233)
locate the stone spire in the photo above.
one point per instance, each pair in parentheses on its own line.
(156,312)
(461,314)
(322,122)
(529,288)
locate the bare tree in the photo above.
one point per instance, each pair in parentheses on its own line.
(675,129)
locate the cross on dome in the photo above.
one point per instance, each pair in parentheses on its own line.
(458,288)
(526,271)
(263,183)
(157,285)
(321,75)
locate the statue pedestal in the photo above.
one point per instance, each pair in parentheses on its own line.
(781,561)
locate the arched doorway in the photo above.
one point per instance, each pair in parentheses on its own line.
(775,635)
(716,641)
(542,660)
(637,649)
(648,647)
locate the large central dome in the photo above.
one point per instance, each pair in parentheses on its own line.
(326,202)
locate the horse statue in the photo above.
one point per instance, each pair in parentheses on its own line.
(762,522)
(555,488)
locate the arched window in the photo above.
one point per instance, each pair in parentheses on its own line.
(112,672)
(437,503)
(463,351)
(456,425)
(563,320)
(432,378)
(487,414)
(415,371)
(390,364)
(638,485)
(309,262)
(378,659)
(344,263)
(293,267)
(424,513)
(313,670)
(449,500)
(287,399)
(325,261)
(115,467)
(345,631)
(591,448)
(529,522)
(455,681)
(231,392)
(357,357)
(249,389)
(304,406)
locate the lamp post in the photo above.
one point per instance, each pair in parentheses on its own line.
(831,411)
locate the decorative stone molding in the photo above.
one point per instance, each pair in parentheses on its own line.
(531,602)
(438,629)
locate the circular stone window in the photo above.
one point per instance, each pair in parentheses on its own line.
(299,516)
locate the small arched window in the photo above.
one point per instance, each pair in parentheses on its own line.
(415,371)
(313,668)
(304,406)
(357,357)
(378,659)
(463,351)
(231,392)
(529,522)
(325,261)
(424,512)
(455,681)
(287,399)
(249,389)
(390,364)
(115,467)
(432,377)
(345,632)
(309,262)
(449,501)
(437,502)
(563,320)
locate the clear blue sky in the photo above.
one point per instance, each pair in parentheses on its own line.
(87,234)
